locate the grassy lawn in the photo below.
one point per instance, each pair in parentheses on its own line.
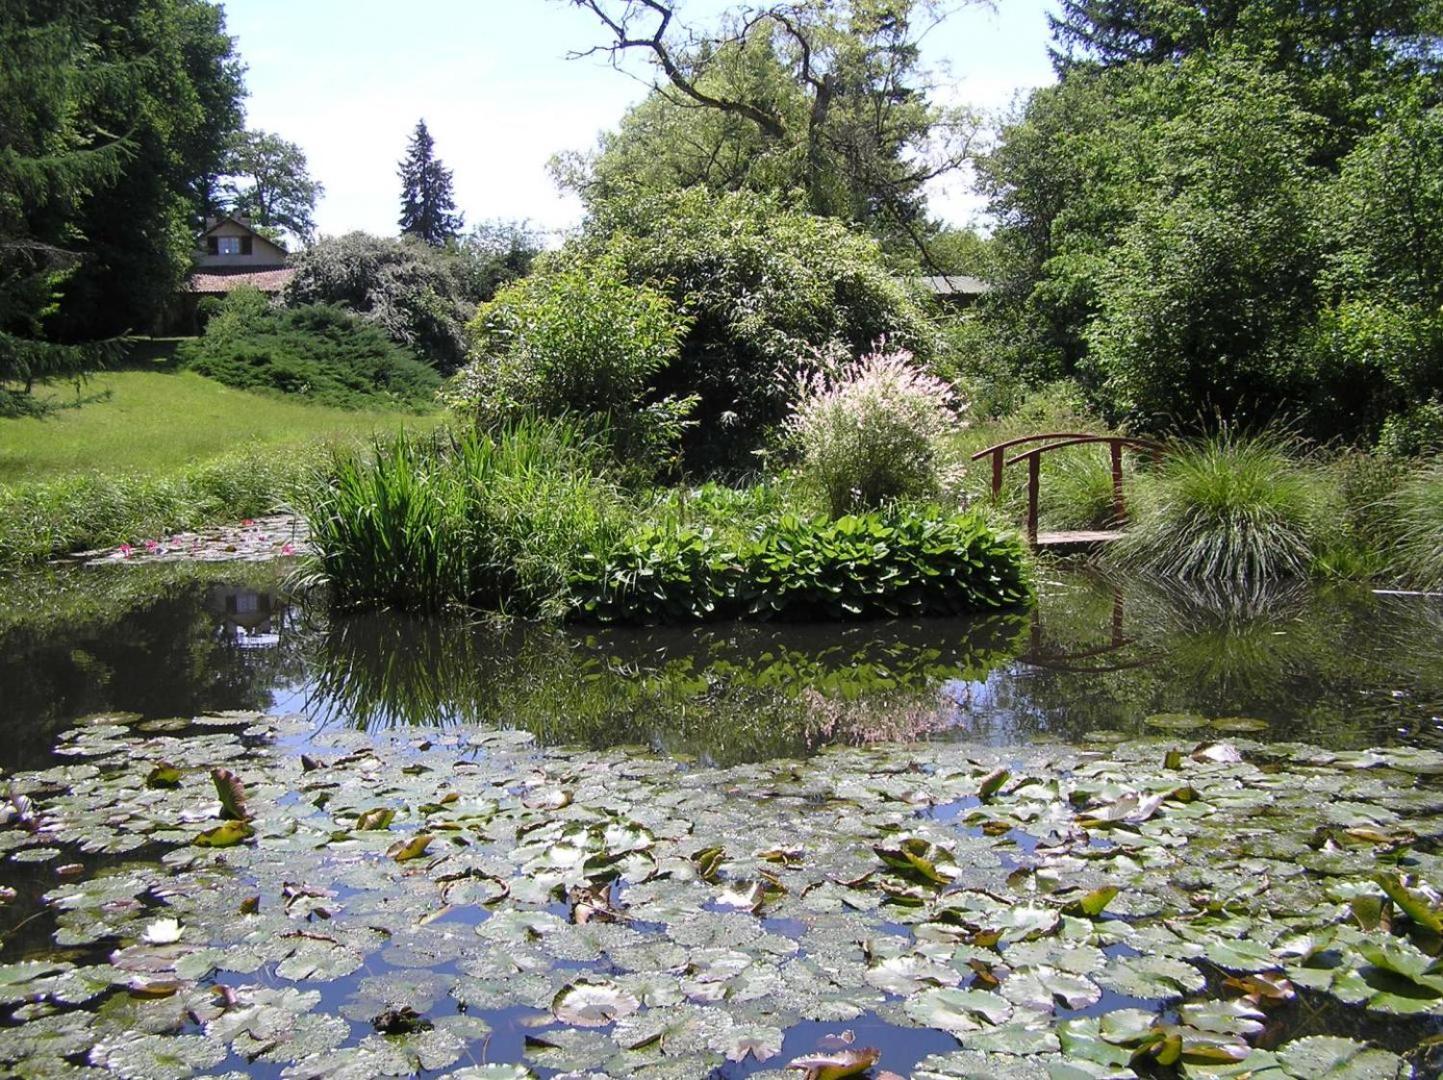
(152,421)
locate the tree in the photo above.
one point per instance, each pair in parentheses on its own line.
(172,87)
(827,100)
(267,180)
(419,295)
(768,291)
(427,204)
(110,115)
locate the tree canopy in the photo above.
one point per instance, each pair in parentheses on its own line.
(427,203)
(826,101)
(269,182)
(1197,222)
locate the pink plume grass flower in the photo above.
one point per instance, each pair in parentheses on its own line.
(869,430)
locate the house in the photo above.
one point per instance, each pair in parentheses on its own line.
(958,289)
(231,254)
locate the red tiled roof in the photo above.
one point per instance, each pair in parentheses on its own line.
(270,281)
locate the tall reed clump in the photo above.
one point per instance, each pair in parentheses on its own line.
(1229,508)
(868,433)
(1417,508)
(491,520)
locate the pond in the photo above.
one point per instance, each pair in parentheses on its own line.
(1131,831)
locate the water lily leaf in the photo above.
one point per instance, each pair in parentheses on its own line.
(958,1010)
(414,848)
(164,775)
(992,784)
(318,958)
(1326,1057)
(491,1072)
(836,1065)
(1241,954)
(376,819)
(232,795)
(904,975)
(1222,1017)
(1092,904)
(136,1056)
(1043,988)
(1239,724)
(226,835)
(975,1065)
(1158,977)
(593,1003)
(920,860)
(761,1041)
(1176,721)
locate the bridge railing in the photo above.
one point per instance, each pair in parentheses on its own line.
(1056,440)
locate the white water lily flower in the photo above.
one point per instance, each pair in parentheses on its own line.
(162,932)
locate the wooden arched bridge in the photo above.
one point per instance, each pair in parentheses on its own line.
(1056,440)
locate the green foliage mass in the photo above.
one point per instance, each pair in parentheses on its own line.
(899,562)
(421,296)
(577,341)
(321,352)
(100,108)
(828,103)
(764,289)
(1224,213)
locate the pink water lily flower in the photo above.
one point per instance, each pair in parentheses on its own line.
(288,549)
(124,550)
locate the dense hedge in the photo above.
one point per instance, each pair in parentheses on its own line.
(889,563)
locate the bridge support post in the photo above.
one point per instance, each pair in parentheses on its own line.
(1034,484)
(1119,506)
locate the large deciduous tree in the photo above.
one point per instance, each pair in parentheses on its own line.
(428,205)
(828,100)
(269,182)
(113,119)
(1210,216)
(173,88)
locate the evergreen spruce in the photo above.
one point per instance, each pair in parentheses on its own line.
(427,204)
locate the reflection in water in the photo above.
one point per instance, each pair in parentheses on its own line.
(1094,659)
(741,692)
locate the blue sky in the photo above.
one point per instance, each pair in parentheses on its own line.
(347,80)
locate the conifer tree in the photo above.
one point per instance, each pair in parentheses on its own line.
(427,204)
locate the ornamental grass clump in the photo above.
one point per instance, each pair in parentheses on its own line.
(1417,507)
(1230,508)
(868,433)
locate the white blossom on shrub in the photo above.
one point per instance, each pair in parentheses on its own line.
(868,430)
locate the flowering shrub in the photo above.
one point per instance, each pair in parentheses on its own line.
(868,432)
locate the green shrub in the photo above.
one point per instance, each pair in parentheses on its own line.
(492,520)
(765,289)
(882,564)
(868,434)
(580,343)
(1418,509)
(320,352)
(92,510)
(1228,508)
(418,295)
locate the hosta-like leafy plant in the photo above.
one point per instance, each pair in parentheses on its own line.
(897,562)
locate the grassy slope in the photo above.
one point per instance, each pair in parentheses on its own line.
(156,421)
